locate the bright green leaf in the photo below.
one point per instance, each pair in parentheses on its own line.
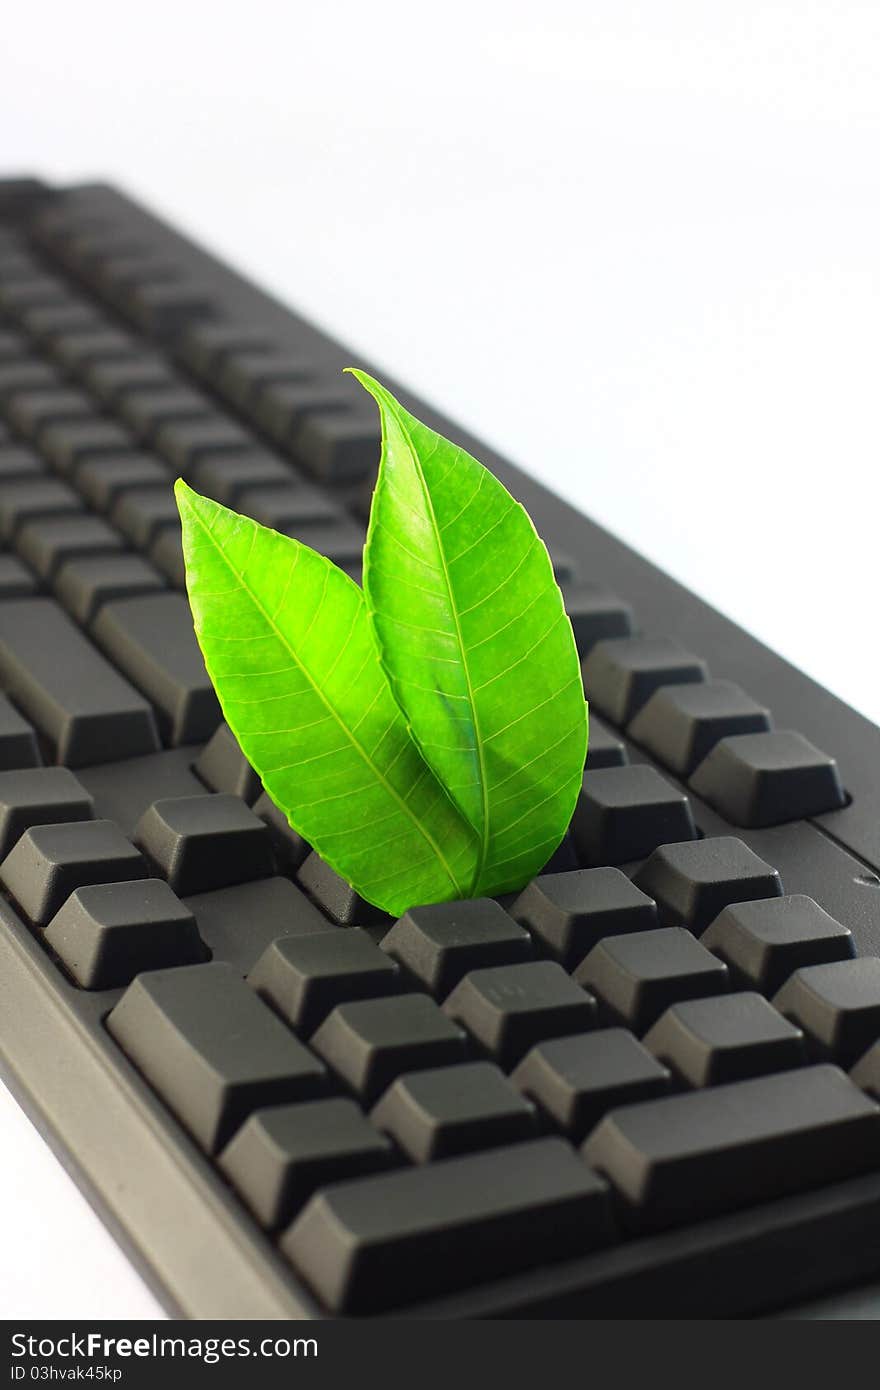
(476,643)
(288,645)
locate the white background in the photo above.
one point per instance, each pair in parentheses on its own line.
(633,245)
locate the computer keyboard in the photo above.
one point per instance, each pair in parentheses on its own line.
(646,1085)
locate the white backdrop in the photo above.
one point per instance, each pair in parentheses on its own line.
(633,245)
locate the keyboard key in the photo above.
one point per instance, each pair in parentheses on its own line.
(67,689)
(211,1048)
(605,748)
(681,724)
(31,413)
(694,881)
(710,1041)
(142,512)
(39,796)
(595,615)
(336,897)
(152,640)
(18,742)
(238,924)
(184,441)
(438,944)
(636,977)
(85,585)
(837,1005)
(570,912)
(289,846)
(67,443)
(243,374)
(163,309)
(26,375)
(624,813)
(44,322)
(111,380)
(341,541)
(370,1042)
(866,1072)
(166,553)
(224,768)
(147,409)
(50,861)
(18,294)
(304,977)
(375,1243)
(18,462)
(101,480)
(510,1008)
(766,779)
(621,674)
(765,942)
(338,446)
(453,1110)
(282,406)
(748,1142)
(577,1080)
(280,1156)
(75,351)
(108,933)
(288,506)
(26,498)
(226,476)
(203,842)
(205,343)
(15,580)
(49,543)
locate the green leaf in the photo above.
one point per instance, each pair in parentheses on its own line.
(288,646)
(476,643)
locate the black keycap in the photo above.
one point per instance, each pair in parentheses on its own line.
(16,461)
(108,933)
(39,796)
(375,1243)
(50,861)
(336,897)
(681,724)
(101,480)
(147,409)
(163,309)
(203,842)
(510,1008)
(77,350)
(621,674)
(142,512)
(49,543)
(18,742)
(67,689)
(765,942)
(26,375)
(67,444)
(111,380)
(710,1151)
(596,615)
(304,977)
(288,506)
(226,476)
(289,846)
(32,413)
(694,881)
(452,1110)
(341,541)
(205,343)
(570,912)
(438,944)
(624,813)
(45,322)
(223,767)
(636,977)
(243,374)
(18,294)
(123,791)
(710,1041)
(238,924)
(337,446)
(577,1080)
(184,441)
(13,346)
(211,1048)
(765,779)
(152,640)
(282,406)
(370,1042)
(166,553)
(26,498)
(866,1072)
(280,1156)
(15,580)
(604,748)
(837,1005)
(85,585)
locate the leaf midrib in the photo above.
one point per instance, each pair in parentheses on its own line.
(392,791)
(447,578)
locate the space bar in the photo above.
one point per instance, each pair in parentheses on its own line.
(86,710)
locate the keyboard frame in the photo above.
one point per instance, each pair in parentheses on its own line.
(182,1226)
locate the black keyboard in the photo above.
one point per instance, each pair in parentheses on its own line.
(646,1085)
